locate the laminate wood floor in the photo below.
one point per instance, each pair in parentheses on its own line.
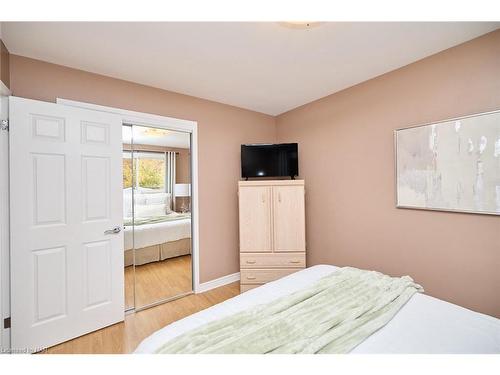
(156,281)
(124,337)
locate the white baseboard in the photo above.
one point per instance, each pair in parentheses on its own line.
(221,281)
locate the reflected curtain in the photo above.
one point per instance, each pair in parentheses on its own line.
(170,176)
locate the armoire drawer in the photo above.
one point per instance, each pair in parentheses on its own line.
(274,260)
(260,276)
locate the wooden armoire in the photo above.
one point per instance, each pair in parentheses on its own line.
(272,230)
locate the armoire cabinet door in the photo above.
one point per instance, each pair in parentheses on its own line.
(255,219)
(289,218)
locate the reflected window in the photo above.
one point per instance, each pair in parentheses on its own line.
(127,170)
(150,168)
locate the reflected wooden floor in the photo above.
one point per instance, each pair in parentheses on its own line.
(157,281)
(124,337)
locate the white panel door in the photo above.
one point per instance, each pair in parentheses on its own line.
(66,192)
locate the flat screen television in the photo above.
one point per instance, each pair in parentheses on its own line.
(269,160)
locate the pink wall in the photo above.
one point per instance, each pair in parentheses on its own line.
(222,129)
(347,159)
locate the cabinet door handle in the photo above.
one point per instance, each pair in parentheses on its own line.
(295,261)
(250,277)
(251,261)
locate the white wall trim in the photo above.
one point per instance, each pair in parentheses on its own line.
(221,281)
(138,118)
(4,220)
(149,119)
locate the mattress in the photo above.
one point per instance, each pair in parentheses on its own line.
(154,234)
(424,325)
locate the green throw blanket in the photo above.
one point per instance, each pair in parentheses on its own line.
(333,315)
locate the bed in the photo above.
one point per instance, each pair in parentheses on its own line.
(423,325)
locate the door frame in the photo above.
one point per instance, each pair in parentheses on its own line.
(170,123)
(4,224)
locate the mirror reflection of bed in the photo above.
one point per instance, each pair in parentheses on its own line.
(156,212)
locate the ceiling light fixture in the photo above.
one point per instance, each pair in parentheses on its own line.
(155,132)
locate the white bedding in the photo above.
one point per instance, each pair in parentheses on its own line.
(424,325)
(157,233)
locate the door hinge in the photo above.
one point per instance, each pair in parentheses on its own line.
(4,125)
(6,323)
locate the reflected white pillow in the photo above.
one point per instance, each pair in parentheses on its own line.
(140,198)
(127,201)
(127,205)
(157,198)
(148,210)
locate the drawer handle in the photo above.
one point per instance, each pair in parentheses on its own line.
(251,261)
(295,261)
(251,277)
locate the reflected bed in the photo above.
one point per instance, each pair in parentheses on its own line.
(156,239)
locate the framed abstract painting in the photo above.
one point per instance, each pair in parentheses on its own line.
(451,165)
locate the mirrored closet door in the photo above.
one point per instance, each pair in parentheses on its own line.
(157,215)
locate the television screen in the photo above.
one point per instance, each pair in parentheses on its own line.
(269,160)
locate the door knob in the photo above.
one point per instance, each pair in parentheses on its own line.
(113,231)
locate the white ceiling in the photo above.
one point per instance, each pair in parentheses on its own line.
(260,66)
